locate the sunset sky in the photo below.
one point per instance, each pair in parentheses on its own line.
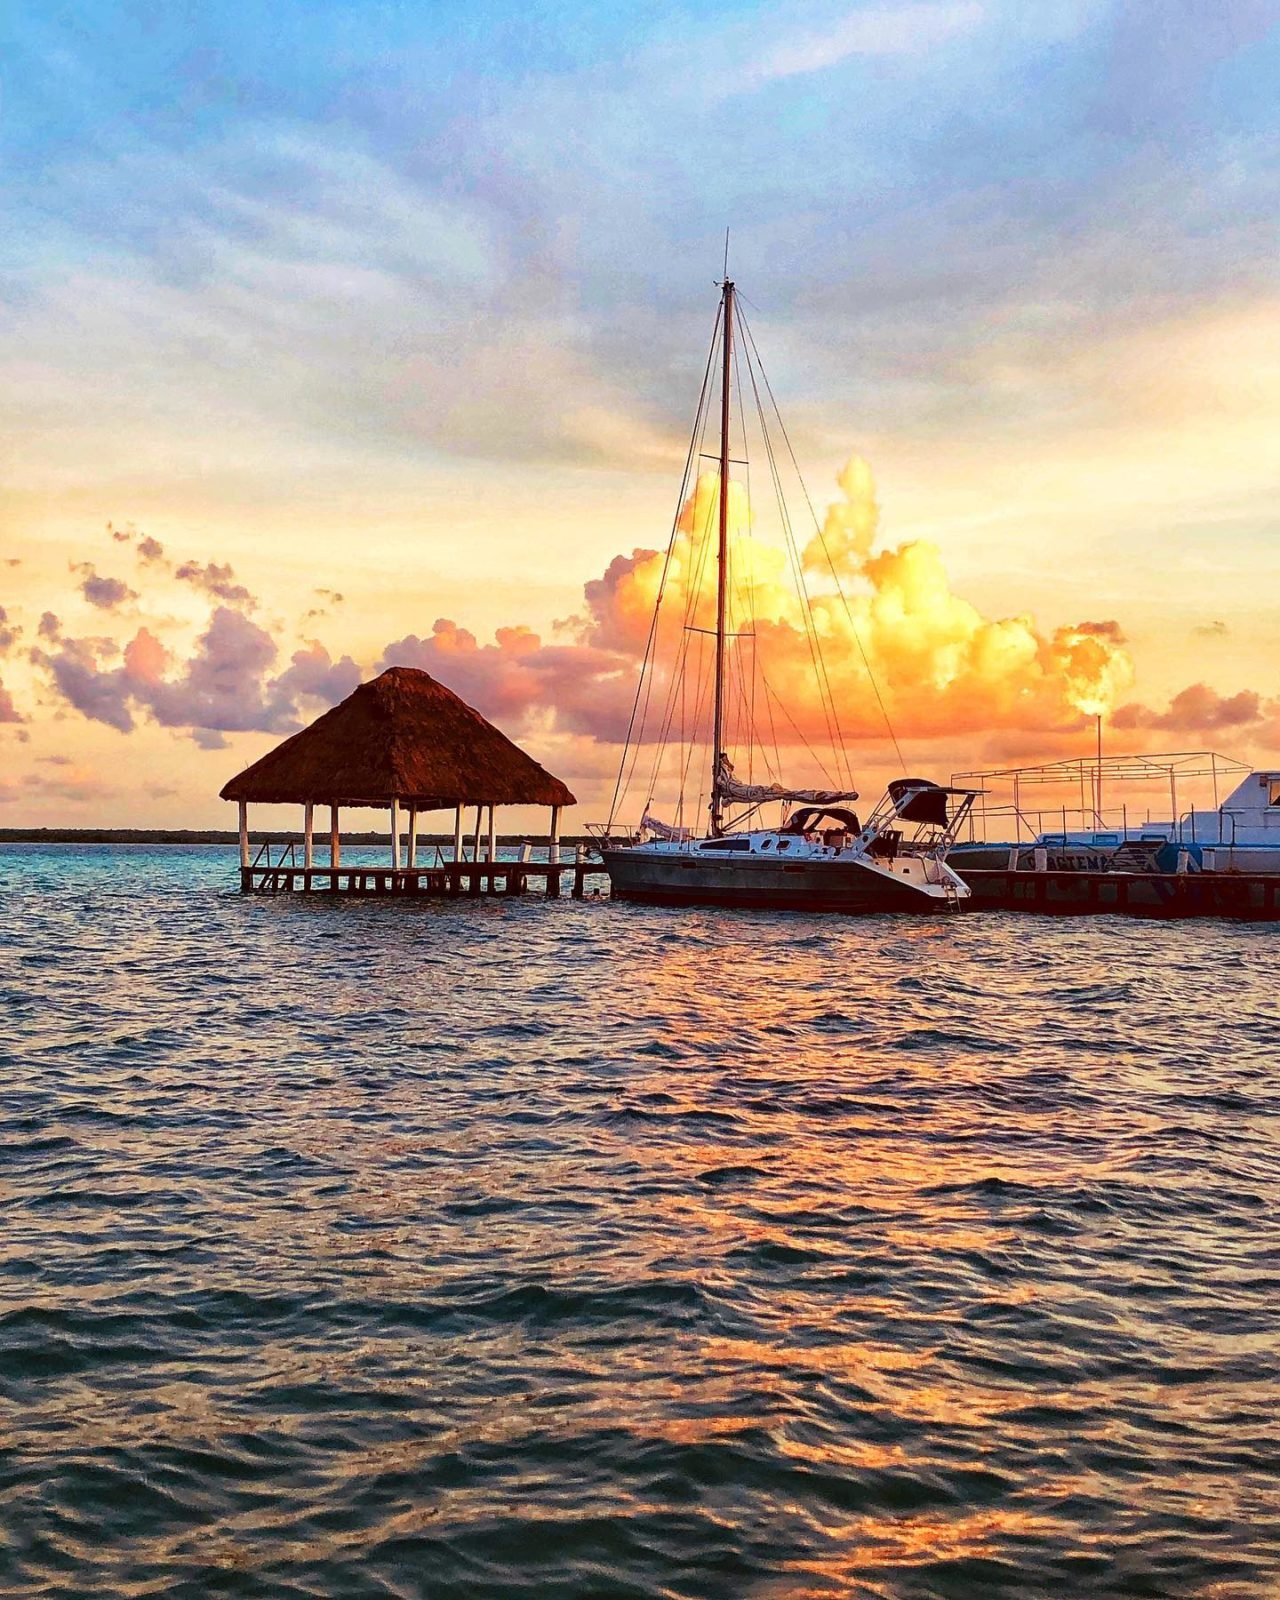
(335,335)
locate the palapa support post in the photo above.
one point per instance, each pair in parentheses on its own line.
(580,873)
(553,855)
(395,834)
(413,837)
(493,837)
(335,841)
(475,851)
(308,840)
(246,878)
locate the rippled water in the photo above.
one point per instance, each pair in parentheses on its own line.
(517,1247)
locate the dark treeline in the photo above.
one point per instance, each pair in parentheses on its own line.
(228,837)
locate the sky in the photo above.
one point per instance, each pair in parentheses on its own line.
(334,336)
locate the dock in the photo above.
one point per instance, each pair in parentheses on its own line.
(447,879)
(1245,896)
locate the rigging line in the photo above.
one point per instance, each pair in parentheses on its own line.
(618,788)
(839,746)
(699,428)
(700,553)
(748,694)
(703,680)
(818,761)
(818,659)
(750,339)
(822,540)
(734,713)
(810,629)
(773,731)
(696,568)
(692,596)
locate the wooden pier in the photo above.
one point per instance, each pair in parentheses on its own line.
(448,879)
(1246,896)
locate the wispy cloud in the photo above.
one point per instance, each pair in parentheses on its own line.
(868,31)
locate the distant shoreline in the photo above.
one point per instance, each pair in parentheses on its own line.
(257,836)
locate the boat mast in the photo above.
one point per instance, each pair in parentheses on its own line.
(722,568)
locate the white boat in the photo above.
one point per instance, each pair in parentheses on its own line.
(1240,835)
(820,857)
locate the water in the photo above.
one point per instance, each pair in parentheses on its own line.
(523,1248)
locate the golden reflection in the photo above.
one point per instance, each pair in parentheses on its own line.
(887,1543)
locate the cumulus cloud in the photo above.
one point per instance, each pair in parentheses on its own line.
(1198,709)
(49,626)
(942,667)
(225,686)
(104,593)
(9,632)
(150,550)
(216,579)
(584,687)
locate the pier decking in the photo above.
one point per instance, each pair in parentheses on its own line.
(450,879)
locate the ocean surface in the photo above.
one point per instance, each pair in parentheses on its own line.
(528,1248)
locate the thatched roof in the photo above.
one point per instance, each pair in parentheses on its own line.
(404,737)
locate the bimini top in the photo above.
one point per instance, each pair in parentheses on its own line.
(919,800)
(401,737)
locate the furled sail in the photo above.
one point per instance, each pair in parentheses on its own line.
(664,830)
(754,794)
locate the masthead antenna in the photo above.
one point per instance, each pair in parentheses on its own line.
(726,255)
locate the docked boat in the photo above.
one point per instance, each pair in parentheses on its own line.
(1241,835)
(820,856)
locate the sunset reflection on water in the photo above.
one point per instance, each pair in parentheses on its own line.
(579,1249)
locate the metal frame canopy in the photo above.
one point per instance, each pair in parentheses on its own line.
(1090,777)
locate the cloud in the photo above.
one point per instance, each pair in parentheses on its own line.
(9,633)
(1198,709)
(150,550)
(104,593)
(942,668)
(1211,630)
(49,626)
(868,31)
(74,783)
(215,579)
(585,688)
(330,598)
(9,713)
(226,685)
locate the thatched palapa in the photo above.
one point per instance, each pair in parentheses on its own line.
(406,742)
(403,737)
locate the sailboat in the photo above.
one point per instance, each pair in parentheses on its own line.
(820,856)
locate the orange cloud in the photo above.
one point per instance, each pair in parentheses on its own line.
(942,668)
